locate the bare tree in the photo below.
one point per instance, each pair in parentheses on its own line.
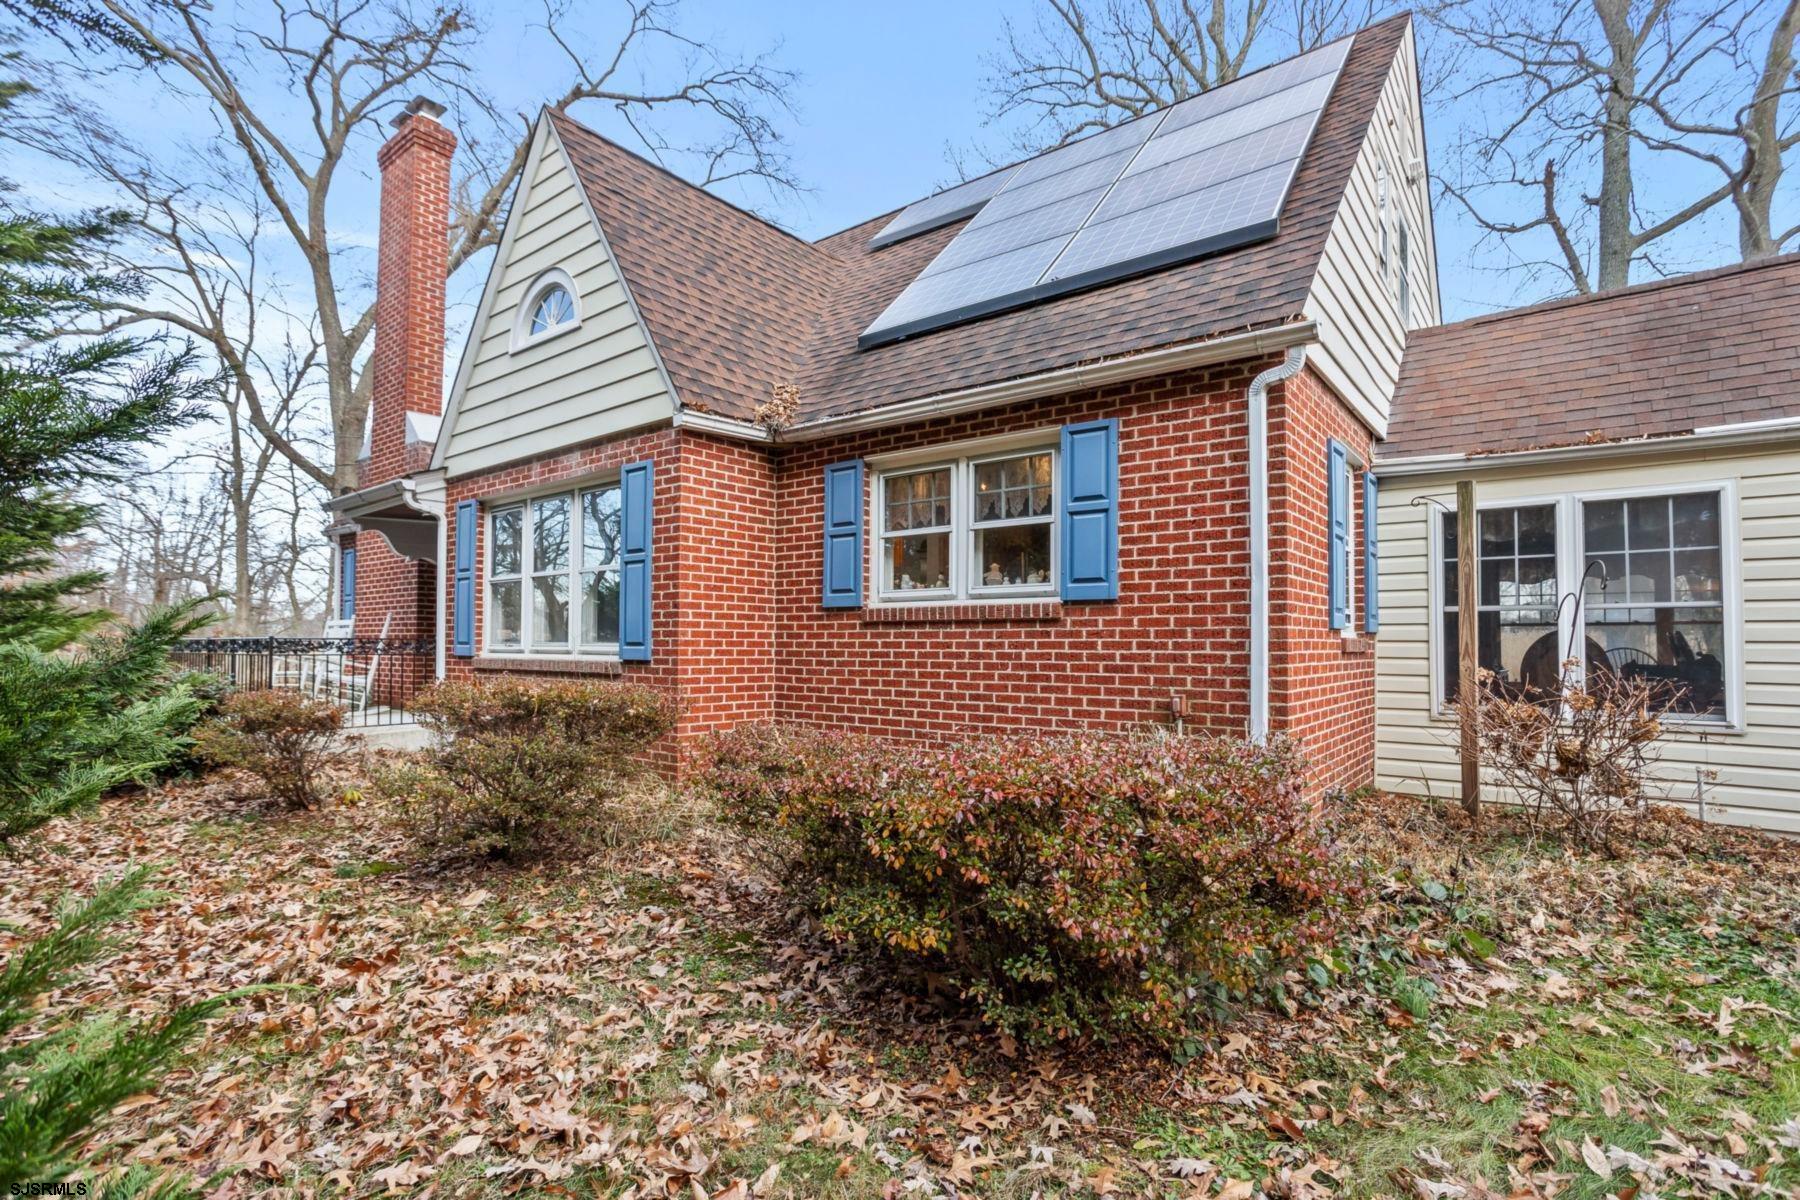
(1084,65)
(1749,145)
(350,64)
(1587,88)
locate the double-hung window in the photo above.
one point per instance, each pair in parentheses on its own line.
(982,526)
(553,574)
(1515,599)
(1654,594)
(1651,570)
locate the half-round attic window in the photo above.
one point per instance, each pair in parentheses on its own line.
(549,309)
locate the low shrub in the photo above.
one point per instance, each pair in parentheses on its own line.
(525,767)
(1067,885)
(285,739)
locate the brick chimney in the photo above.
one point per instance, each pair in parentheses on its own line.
(408,362)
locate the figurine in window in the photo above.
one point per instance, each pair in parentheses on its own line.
(1035,577)
(995,576)
(941,581)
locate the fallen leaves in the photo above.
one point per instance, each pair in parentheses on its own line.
(582,1030)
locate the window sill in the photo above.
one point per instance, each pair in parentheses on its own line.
(1355,647)
(1674,726)
(962,612)
(548,665)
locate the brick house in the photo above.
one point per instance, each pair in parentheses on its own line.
(1083,443)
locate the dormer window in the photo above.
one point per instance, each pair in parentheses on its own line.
(548,309)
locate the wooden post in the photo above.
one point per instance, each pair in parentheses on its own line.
(1467,648)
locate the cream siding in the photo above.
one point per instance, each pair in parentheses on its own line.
(1758,769)
(1353,298)
(600,380)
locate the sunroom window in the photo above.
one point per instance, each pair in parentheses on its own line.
(553,574)
(1654,595)
(1515,596)
(974,527)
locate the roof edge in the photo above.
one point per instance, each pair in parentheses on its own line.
(1778,429)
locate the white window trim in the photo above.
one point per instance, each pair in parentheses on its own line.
(525,503)
(522,337)
(1570,555)
(961,458)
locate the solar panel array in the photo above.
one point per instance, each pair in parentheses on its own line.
(1204,175)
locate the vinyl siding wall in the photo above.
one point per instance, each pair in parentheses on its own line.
(598,381)
(1758,770)
(1354,300)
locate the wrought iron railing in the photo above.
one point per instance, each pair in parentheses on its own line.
(373,679)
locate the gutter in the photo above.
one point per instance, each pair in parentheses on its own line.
(1064,379)
(1257,401)
(1706,437)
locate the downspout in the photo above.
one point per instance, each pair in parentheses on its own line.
(1258,398)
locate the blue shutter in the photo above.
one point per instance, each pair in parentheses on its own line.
(1337,491)
(634,563)
(462,588)
(1090,511)
(347,583)
(1371,558)
(843,534)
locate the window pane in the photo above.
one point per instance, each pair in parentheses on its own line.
(507,530)
(550,534)
(920,500)
(1537,530)
(1697,520)
(1013,489)
(1648,577)
(1682,651)
(1537,581)
(1603,525)
(1697,575)
(600,608)
(599,527)
(1647,523)
(550,610)
(556,307)
(1013,556)
(1497,532)
(503,614)
(918,562)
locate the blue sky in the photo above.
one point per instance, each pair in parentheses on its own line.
(884,93)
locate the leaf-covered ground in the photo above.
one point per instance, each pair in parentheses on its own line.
(1512,1020)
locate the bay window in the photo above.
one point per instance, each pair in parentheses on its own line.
(1651,572)
(553,574)
(976,527)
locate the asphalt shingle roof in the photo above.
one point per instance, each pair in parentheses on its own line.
(738,308)
(1664,358)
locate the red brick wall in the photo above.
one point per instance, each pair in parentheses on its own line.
(712,636)
(1180,625)
(739,632)
(1322,683)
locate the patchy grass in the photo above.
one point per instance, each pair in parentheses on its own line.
(1511,1019)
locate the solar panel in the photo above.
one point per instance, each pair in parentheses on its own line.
(943,208)
(1204,175)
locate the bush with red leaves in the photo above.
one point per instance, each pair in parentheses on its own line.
(1116,885)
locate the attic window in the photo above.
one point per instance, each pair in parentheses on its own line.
(548,309)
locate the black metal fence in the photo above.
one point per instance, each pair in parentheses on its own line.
(372,679)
